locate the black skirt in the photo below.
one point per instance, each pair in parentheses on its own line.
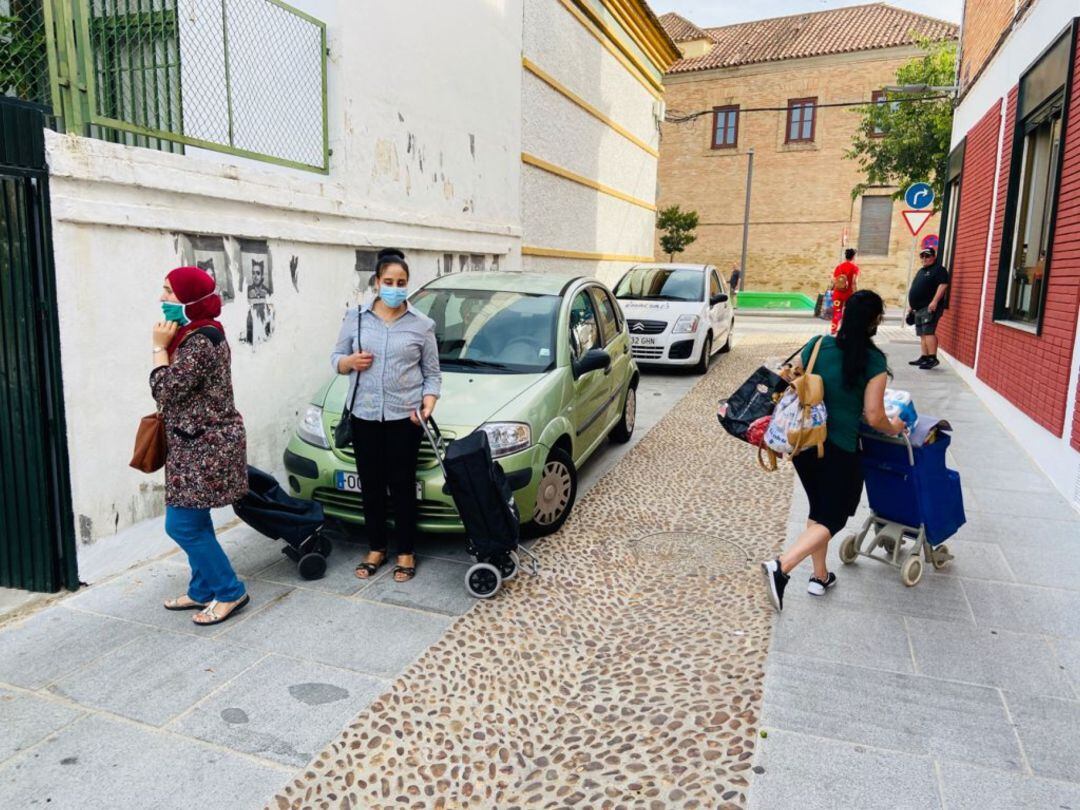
(833,484)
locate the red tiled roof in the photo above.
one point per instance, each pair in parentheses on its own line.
(681,29)
(841,30)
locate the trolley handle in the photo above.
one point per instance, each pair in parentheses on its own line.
(434,437)
(904,438)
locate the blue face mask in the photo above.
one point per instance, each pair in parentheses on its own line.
(174,312)
(393,297)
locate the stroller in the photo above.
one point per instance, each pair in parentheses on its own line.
(913,496)
(269,510)
(486,504)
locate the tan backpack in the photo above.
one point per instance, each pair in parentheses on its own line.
(799,419)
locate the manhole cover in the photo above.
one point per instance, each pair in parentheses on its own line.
(690,553)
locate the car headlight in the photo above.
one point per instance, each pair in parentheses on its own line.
(507,437)
(686,324)
(311,429)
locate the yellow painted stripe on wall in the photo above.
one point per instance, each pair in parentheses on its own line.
(566,174)
(607,38)
(557,253)
(556,85)
(649,37)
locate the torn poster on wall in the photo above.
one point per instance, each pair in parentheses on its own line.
(257,278)
(209,253)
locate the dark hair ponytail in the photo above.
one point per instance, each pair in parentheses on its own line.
(862,312)
(388,256)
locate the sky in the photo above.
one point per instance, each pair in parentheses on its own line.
(705,13)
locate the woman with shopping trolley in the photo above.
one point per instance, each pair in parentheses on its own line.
(389,351)
(855,373)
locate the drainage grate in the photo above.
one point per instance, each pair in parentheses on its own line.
(690,553)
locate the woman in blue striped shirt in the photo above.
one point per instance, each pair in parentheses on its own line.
(395,374)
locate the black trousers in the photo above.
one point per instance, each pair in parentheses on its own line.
(833,485)
(386,454)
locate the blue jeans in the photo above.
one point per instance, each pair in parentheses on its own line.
(212,575)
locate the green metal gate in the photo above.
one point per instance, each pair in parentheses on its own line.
(37,532)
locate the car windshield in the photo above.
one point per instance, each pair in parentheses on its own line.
(492,332)
(661,284)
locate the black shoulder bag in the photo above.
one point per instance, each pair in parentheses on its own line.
(343,430)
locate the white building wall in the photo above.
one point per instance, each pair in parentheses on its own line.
(425,124)
(558,214)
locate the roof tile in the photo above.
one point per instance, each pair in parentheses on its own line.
(819,33)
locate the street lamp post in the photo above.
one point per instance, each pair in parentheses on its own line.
(746,216)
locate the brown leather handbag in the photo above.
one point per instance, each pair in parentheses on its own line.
(149,455)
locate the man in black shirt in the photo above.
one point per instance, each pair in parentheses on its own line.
(926,303)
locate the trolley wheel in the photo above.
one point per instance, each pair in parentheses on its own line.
(508,565)
(940,557)
(312,566)
(848,552)
(483,580)
(911,571)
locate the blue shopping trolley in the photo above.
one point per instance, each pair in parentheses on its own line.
(915,500)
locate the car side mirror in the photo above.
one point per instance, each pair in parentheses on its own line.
(719,298)
(594,360)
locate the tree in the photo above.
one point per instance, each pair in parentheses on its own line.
(678,227)
(23,61)
(902,140)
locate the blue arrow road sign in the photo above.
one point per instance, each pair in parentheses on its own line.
(919,195)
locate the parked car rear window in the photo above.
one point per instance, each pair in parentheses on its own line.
(661,284)
(492,332)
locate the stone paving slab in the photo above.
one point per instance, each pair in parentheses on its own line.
(281,709)
(376,639)
(137,596)
(1068,654)
(862,706)
(155,677)
(438,587)
(880,641)
(340,577)
(969,787)
(1050,732)
(811,773)
(28,719)
(1025,608)
(49,645)
(1015,662)
(102,764)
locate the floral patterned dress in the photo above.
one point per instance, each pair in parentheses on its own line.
(206,459)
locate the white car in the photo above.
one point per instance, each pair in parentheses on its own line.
(677,314)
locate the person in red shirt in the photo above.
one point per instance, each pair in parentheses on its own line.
(845,284)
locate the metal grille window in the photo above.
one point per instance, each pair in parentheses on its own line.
(801,119)
(244,77)
(24,64)
(875,225)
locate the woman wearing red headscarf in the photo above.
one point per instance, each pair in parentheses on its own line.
(206,461)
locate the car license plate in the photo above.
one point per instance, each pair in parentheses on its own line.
(642,340)
(350,482)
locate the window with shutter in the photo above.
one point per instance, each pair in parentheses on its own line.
(875,225)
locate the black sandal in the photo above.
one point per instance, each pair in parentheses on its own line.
(408,570)
(370,568)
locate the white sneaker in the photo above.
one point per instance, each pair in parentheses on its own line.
(818,588)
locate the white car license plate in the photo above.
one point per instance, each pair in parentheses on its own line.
(350,482)
(642,340)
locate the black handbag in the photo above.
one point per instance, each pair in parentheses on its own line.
(343,429)
(753,400)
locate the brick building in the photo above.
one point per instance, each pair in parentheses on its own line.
(802,214)
(1013,224)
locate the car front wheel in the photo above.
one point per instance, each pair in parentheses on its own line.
(555,494)
(706,355)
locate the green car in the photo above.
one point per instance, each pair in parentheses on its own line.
(539,362)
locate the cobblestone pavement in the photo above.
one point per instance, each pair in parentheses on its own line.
(627,674)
